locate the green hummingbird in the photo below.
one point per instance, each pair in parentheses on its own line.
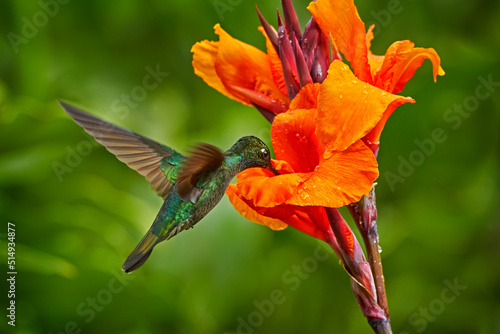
(190,186)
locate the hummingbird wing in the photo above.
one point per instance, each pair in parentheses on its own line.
(157,163)
(205,158)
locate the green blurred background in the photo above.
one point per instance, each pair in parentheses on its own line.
(75,225)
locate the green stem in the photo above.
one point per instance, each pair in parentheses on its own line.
(367,225)
(380,326)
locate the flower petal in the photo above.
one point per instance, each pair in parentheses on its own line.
(249,213)
(341,178)
(204,57)
(340,21)
(241,64)
(294,140)
(265,189)
(349,108)
(309,220)
(374,61)
(307,98)
(231,62)
(401,61)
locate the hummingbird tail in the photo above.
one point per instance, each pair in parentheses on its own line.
(141,253)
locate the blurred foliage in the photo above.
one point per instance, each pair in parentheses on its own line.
(75,228)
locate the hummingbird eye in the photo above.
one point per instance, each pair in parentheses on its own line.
(265,154)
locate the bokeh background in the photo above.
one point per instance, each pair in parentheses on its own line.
(79,211)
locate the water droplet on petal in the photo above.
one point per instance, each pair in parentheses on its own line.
(379,249)
(340,96)
(365,92)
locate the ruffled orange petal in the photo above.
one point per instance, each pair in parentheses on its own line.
(266,190)
(243,65)
(204,58)
(294,140)
(232,63)
(374,61)
(401,61)
(310,220)
(250,213)
(341,178)
(307,98)
(348,108)
(340,21)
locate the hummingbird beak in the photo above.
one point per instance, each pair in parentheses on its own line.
(270,167)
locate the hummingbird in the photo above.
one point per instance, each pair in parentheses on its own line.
(190,186)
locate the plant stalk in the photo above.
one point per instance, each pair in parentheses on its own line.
(367,226)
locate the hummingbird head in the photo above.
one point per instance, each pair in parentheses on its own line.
(254,153)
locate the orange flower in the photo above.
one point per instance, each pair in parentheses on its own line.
(340,21)
(319,153)
(319,121)
(293,60)
(326,125)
